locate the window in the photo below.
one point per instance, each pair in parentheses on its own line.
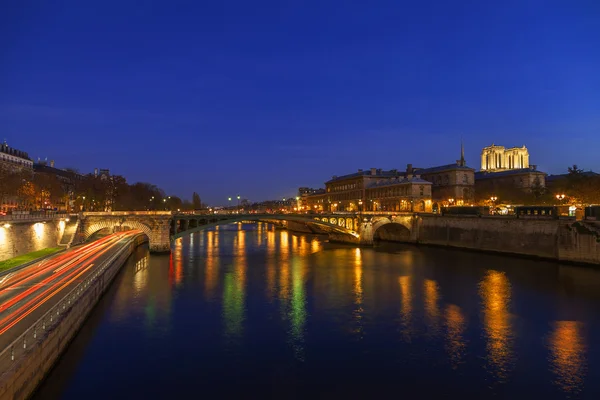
(421,189)
(465,178)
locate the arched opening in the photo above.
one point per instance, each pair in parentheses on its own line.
(392,232)
(436,208)
(100,233)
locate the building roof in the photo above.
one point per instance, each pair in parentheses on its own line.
(510,172)
(369,173)
(441,168)
(46,169)
(4,148)
(399,181)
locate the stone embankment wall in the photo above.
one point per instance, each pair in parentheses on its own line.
(23,238)
(556,239)
(553,239)
(506,235)
(20,377)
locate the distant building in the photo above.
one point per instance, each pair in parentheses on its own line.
(14,159)
(67,178)
(12,162)
(102,173)
(453,184)
(498,158)
(507,173)
(303,194)
(374,190)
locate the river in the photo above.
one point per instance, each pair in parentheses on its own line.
(253,312)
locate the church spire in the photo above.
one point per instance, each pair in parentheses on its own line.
(462,161)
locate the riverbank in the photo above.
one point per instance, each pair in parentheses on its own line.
(29,257)
(564,240)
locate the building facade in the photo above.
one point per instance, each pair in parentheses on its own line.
(403,194)
(373,190)
(499,158)
(452,184)
(15,165)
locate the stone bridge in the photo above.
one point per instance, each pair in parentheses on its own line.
(162,227)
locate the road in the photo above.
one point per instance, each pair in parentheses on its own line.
(27,294)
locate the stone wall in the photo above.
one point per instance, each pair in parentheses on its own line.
(23,238)
(579,242)
(506,235)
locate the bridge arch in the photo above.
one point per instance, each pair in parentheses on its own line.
(393,229)
(111,224)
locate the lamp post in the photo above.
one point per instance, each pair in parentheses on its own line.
(451,201)
(238,206)
(360,206)
(229,200)
(560,197)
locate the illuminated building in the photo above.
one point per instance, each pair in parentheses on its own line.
(453,184)
(15,165)
(374,190)
(14,159)
(507,173)
(499,158)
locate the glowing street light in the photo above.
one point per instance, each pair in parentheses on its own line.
(560,197)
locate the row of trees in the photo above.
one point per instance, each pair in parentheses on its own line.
(24,190)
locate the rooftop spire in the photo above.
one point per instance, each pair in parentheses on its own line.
(462,161)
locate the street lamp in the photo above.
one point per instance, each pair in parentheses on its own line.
(238,199)
(359,205)
(451,201)
(493,199)
(560,197)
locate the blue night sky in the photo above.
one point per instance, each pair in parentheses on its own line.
(259,97)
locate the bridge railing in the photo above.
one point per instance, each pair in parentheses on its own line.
(31,217)
(125,213)
(39,331)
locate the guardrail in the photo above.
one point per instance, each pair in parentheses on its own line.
(31,217)
(37,333)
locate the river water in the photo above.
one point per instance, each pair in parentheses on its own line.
(253,312)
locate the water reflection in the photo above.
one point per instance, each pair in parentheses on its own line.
(406,306)
(358,293)
(432,311)
(567,356)
(234,290)
(298,308)
(455,328)
(212,264)
(494,291)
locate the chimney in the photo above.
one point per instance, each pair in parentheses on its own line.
(52,163)
(373,171)
(409,171)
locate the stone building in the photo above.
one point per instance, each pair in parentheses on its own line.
(408,193)
(498,158)
(15,165)
(453,184)
(14,159)
(344,193)
(374,190)
(509,185)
